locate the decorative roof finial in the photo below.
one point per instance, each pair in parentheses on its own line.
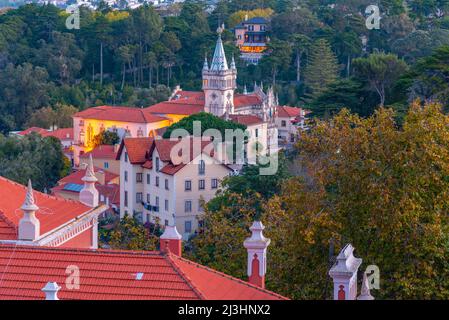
(29,204)
(365,293)
(245,91)
(233,62)
(220,29)
(205,65)
(90,173)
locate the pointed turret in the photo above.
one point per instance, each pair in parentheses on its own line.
(29,225)
(233,63)
(219,62)
(89,194)
(256,246)
(206,64)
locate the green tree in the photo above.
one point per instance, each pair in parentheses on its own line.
(130,234)
(381,71)
(321,69)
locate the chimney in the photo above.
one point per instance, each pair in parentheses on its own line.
(256,245)
(344,274)
(29,225)
(170,240)
(89,194)
(51,291)
(365,293)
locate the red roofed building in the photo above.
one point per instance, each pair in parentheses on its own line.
(104,158)
(108,186)
(164,180)
(128,275)
(32,218)
(290,121)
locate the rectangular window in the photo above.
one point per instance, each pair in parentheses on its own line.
(157,164)
(148,198)
(202,167)
(106,165)
(139,177)
(166,222)
(214,183)
(188,206)
(188,185)
(157,182)
(188,226)
(126,198)
(138,197)
(148,178)
(201,184)
(166,205)
(166,184)
(283,123)
(126,156)
(257,133)
(200,205)
(126,175)
(157,201)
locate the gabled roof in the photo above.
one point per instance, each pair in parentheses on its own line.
(102,151)
(76,177)
(32,129)
(53,211)
(255,20)
(245,100)
(117,275)
(246,119)
(61,134)
(288,112)
(136,148)
(124,114)
(176,107)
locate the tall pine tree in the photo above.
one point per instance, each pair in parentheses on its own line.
(321,69)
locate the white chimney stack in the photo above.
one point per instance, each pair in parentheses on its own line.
(171,241)
(344,274)
(89,194)
(257,245)
(29,225)
(51,291)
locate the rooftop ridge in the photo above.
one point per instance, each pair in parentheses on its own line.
(230,277)
(169,256)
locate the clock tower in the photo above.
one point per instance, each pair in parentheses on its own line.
(219,82)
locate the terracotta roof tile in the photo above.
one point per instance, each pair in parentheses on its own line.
(128,114)
(53,211)
(102,151)
(244,100)
(76,176)
(246,119)
(109,274)
(32,129)
(61,134)
(171,107)
(288,112)
(136,148)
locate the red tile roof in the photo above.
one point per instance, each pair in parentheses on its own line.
(126,114)
(111,191)
(244,100)
(288,112)
(53,212)
(61,134)
(109,274)
(136,148)
(33,129)
(246,119)
(102,151)
(189,97)
(76,176)
(175,107)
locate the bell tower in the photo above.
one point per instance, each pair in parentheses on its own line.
(219,81)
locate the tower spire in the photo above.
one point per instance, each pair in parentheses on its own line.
(233,63)
(219,62)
